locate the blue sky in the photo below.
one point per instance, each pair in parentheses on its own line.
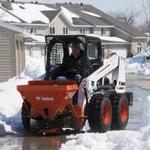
(103,5)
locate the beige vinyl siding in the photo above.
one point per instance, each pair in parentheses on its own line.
(7,55)
(40,30)
(8,63)
(59,23)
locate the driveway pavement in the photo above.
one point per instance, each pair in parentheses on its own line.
(139,80)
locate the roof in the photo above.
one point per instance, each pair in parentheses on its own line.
(91,17)
(98,18)
(51,14)
(23,12)
(109,40)
(13,28)
(80,21)
(75,14)
(26,35)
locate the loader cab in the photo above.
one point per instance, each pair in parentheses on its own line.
(59,46)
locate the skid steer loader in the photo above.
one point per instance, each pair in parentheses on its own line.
(101,98)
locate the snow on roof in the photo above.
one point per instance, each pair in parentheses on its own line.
(107,38)
(68,15)
(38,38)
(4,16)
(14,28)
(90,13)
(25,12)
(39,7)
(23,31)
(112,38)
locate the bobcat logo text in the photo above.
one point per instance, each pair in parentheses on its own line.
(38,98)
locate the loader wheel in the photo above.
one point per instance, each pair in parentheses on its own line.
(25,116)
(100,113)
(120,111)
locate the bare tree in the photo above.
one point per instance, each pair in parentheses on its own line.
(128,16)
(146,17)
(146,10)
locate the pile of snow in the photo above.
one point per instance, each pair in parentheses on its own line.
(10,98)
(11,102)
(136,65)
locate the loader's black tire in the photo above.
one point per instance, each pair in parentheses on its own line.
(25,115)
(100,113)
(120,111)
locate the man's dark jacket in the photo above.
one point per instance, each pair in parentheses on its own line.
(70,67)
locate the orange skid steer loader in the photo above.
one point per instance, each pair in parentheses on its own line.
(101,98)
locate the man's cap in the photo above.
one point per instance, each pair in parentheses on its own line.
(75,45)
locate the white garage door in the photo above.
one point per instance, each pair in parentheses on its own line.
(120,51)
(36,51)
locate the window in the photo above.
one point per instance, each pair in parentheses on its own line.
(57,54)
(33,30)
(92,51)
(65,30)
(52,30)
(21,45)
(103,31)
(82,30)
(17,44)
(139,47)
(91,30)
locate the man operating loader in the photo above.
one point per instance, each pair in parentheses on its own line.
(72,66)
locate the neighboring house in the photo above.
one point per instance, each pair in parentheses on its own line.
(68,18)
(12,58)
(12,53)
(117,37)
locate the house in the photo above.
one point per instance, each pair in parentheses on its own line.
(12,53)
(68,18)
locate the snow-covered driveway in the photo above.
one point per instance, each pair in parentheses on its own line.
(140,86)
